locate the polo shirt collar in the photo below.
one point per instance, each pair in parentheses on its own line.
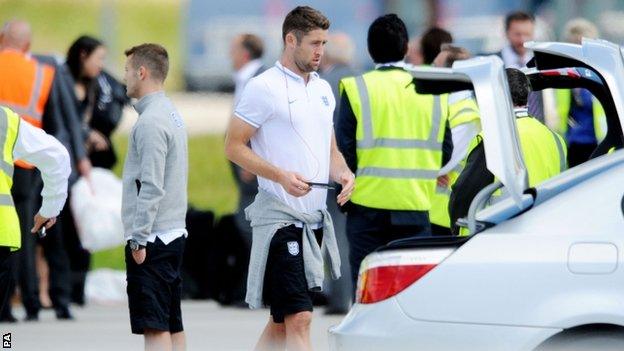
(293,75)
(146,100)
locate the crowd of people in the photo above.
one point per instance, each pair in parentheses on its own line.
(331,163)
(80,104)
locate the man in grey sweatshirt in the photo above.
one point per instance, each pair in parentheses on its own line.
(154,202)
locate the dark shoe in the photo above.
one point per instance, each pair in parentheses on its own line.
(8,319)
(333,311)
(32,317)
(62,313)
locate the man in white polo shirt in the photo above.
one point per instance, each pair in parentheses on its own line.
(287,112)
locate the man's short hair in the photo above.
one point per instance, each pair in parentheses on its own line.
(517,16)
(302,20)
(154,57)
(578,28)
(387,39)
(519,86)
(431,43)
(253,45)
(455,53)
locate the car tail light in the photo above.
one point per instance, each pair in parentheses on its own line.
(385,274)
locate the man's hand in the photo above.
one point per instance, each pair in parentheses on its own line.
(443,181)
(294,184)
(347,180)
(40,221)
(139,255)
(84,167)
(97,141)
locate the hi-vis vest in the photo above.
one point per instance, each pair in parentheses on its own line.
(9,223)
(544,151)
(564,103)
(462,109)
(399,139)
(25,87)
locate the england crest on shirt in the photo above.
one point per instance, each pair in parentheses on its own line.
(325,100)
(293,248)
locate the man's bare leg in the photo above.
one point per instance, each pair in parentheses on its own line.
(157,340)
(178,340)
(273,337)
(298,331)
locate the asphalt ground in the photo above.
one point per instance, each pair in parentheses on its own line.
(208,326)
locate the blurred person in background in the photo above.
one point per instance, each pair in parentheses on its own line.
(581,117)
(31,88)
(335,65)
(465,124)
(414,55)
(246,53)
(519,29)
(99,101)
(431,43)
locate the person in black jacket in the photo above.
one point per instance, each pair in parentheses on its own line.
(99,100)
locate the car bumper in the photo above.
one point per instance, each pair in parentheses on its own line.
(384,326)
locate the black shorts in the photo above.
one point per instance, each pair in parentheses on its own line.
(155,287)
(285,286)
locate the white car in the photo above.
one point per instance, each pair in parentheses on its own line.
(541,269)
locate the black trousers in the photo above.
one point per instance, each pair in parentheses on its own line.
(6,277)
(25,191)
(369,229)
(340,290)
(56,255)
(579,153)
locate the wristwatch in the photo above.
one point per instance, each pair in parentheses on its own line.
(134,245)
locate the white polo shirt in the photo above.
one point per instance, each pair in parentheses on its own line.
(298,140)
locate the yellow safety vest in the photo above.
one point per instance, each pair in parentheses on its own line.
(544,152)
(9,223)
(399,139)
(462,109)
(564,99)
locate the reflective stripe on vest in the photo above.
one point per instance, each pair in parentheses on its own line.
(30,113)
(398,140)
(6,200)
(5,165)
(369,141)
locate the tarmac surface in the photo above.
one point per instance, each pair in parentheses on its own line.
(208,326)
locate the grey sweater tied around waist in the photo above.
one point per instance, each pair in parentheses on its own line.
(268,214)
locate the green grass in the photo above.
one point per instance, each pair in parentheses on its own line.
(211,186)
(120,23)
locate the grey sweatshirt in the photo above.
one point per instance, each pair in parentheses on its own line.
(268,214)
(156,170)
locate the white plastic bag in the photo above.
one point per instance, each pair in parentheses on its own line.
(97,210)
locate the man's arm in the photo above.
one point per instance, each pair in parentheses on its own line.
(237,150)
(51,158)
(340,173)
(152,146)
(345,132)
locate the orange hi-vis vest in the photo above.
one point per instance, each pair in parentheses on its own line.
(25,87)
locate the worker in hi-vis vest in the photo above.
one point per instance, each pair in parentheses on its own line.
(544,153)
(391,138)
(20,140)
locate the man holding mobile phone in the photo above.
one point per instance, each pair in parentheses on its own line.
(286,112)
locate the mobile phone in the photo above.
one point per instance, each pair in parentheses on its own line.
(41,233)
(321,185)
